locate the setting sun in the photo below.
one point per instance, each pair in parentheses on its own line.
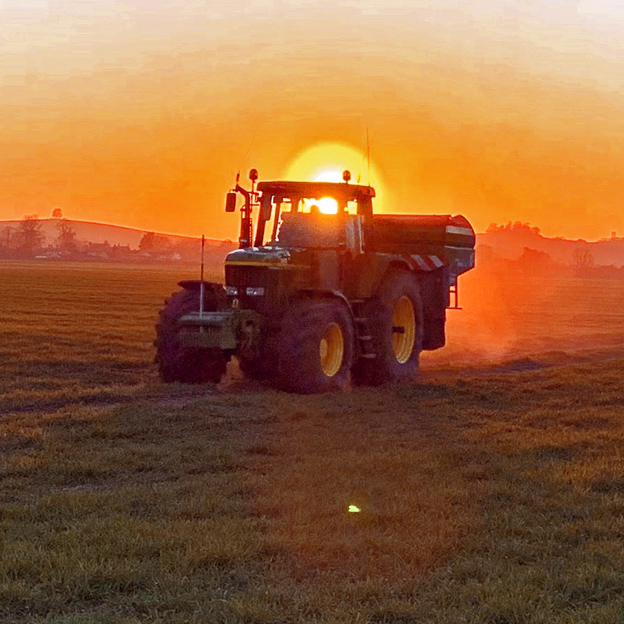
(326,162)
(327,205)
(328,175)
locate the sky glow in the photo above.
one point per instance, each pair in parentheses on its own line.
(140,113)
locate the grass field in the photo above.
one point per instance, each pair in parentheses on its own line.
(490,492)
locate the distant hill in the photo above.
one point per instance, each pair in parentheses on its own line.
(87,231)
(508,242)
(88,241)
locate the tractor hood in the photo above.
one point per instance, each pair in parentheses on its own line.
(258,256)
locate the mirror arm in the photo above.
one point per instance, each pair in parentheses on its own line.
(244,239)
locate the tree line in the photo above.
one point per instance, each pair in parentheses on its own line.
(27,237)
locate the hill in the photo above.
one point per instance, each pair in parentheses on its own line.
(499,242)
(55,239)
(99,233)
(508,242)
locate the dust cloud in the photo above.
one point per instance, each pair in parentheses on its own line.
(525,322)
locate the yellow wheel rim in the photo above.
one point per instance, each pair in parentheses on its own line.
(403,329)
(331,349)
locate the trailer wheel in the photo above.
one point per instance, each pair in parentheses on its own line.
(184,364)
(314,348)
(395,320)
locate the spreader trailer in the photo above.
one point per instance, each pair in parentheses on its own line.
(320,294)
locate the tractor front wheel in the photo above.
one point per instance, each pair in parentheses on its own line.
(185,364)
(314,348)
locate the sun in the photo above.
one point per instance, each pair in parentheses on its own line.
(326,205)
(328,175)
(325,162)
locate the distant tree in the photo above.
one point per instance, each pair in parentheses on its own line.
(155,242)
(516,226)
(147,241)
(534,261)
(7,238)
(582,259)
(534,256)
(66,237)
(57,213)
(29,235)
(189,249)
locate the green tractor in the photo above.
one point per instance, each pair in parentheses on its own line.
(314,301)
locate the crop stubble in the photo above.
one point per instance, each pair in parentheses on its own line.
(492,491)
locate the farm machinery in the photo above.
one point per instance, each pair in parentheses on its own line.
(313,300)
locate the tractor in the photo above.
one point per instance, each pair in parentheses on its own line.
(322,293)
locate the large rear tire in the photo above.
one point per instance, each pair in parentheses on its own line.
(314,348)
(184,364)
(395,319)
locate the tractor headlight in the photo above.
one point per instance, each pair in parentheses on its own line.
(231,291)
(255,291)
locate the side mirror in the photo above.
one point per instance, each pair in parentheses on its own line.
(230,202)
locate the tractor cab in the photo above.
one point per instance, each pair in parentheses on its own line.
(303,214)
(306,232)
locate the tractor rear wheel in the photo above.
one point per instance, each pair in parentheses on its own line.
(185,364)
(314,348)
(395,318)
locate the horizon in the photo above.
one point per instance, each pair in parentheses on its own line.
(501,226)
(142,113)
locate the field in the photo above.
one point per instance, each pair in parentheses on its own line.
(491,492)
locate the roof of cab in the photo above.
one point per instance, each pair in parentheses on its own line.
(316,190)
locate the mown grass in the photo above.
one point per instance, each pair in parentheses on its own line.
(494,495)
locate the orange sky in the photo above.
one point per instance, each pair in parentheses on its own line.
(141,112)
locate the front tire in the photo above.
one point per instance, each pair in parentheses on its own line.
(185,364)
(314,348)
(395,318)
